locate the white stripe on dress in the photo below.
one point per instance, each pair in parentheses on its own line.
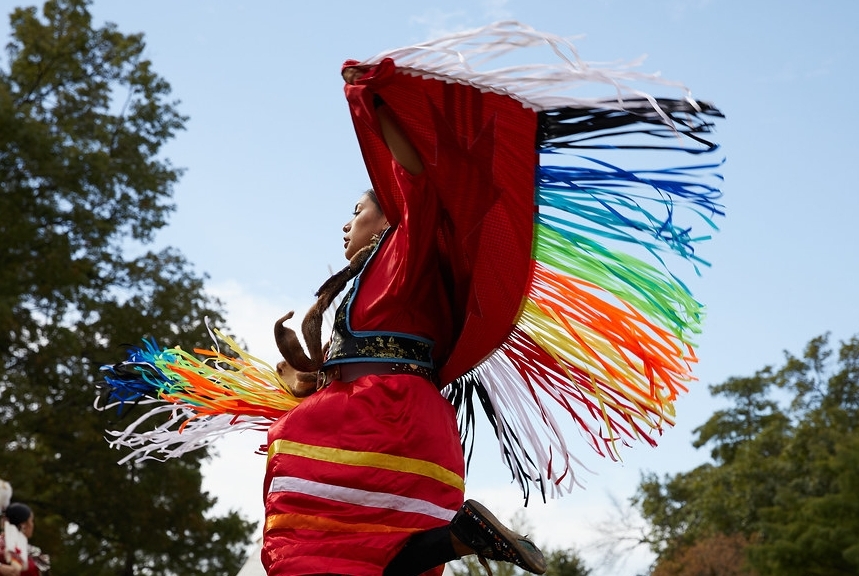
(359,497)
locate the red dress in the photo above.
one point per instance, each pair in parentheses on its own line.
(358,467)
(30,570)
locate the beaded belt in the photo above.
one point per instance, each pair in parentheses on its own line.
(349,371)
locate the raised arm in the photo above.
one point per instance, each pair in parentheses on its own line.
(398,143)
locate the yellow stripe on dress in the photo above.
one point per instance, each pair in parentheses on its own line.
(371,459)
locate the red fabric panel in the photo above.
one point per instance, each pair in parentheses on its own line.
(478,149)
(399,415)
(402,288)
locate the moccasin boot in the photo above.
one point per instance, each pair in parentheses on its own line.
(480,530)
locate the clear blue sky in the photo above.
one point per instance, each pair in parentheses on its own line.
(273,169)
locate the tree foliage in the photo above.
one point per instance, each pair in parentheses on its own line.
(711,556)
(83,182)
(784,482)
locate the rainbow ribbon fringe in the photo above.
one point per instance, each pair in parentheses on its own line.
(203,396)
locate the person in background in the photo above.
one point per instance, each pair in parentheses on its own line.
(37,564)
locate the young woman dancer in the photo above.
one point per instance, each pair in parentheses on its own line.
(366,475)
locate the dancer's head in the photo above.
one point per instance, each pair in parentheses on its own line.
(367,221)
(20,516)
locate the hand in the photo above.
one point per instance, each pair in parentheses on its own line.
(353,73)
(301,384)
(13,569)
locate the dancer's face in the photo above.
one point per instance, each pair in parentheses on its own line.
(367,220)
(28,526)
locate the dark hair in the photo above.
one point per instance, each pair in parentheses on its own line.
(371,194)
(17,514)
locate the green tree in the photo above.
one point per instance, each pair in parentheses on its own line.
(83,118)
(724,497)
(812,526)
(565,562)
(752,412)
(784,481)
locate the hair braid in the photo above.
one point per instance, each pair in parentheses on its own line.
(311,327)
